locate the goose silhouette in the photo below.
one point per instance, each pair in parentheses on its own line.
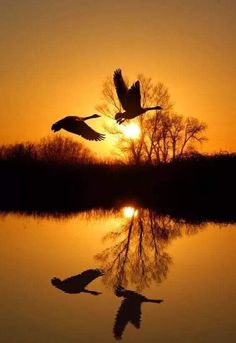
(76,284)
(78,126)
(130,99)
(129,310)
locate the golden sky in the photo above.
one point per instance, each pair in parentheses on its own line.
(55,55)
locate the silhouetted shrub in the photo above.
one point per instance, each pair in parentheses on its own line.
(64,150)
(56,149)
(19,152)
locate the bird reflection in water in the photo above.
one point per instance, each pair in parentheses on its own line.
(129,310)
(76,284)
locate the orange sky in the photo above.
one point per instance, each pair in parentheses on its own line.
(55,55)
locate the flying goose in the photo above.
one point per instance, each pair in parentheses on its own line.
(130,99)
(78,126)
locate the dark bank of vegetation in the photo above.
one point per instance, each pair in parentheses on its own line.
(49,177)
(160,169)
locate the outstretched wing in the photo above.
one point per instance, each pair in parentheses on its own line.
(122,319)
(135,313)
(84,278)
(88,133)
(121,87)
(79,127)
(134,98)
(129,311)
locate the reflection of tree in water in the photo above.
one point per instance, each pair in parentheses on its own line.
(138,254)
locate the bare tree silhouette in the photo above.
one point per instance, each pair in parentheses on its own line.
(165,135)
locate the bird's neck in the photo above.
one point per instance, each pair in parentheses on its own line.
(91,292)
(89,117)
(151,108)
(158,301)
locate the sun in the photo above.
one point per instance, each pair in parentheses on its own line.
(130,212)
(131,130)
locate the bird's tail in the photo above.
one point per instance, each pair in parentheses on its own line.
(119,117)
(56,127)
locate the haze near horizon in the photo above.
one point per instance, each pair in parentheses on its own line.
(57,54)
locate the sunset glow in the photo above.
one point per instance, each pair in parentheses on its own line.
(129,212)
(51,68)
(117,171)
(131,130)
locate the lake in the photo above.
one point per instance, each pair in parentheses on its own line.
(190,266)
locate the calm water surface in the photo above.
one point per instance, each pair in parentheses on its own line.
(191,267)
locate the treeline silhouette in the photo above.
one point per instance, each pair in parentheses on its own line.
(62,176)
(56,149)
